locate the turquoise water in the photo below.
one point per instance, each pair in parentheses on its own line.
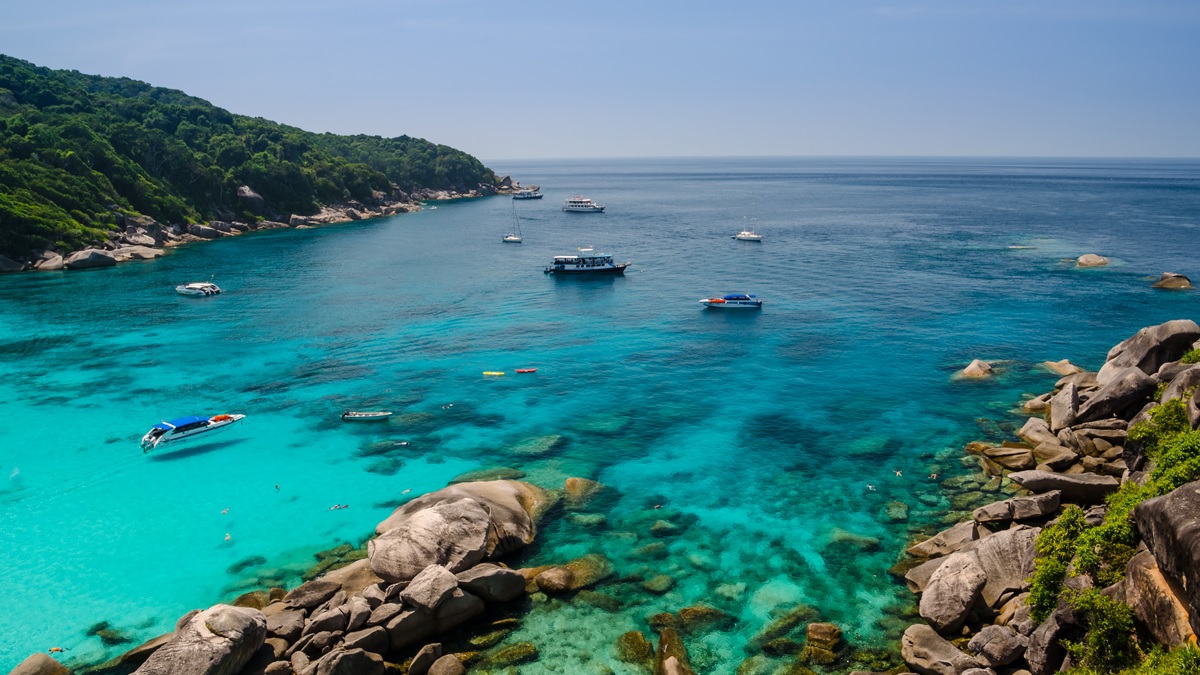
(755,434)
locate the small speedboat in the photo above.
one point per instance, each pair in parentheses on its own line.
(748,235)
(365,416)
(185,428)
(734,301)
(198,288)
(526,370)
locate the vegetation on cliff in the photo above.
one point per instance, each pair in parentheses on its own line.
(78,150)
(1071,546)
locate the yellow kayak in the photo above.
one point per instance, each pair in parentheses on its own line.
(493,372)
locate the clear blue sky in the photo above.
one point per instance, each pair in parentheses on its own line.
(536,79)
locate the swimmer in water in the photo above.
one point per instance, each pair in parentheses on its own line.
(870,487)
(225,511)
(899,473)
(406,491)
(228,536)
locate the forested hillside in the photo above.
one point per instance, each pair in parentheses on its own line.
(77,150)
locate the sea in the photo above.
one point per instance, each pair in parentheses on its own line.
(753,461)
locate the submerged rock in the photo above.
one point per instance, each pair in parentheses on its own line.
(1172,280)
(975,370)
(633,647)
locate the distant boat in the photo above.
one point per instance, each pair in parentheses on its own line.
(362,416)
(198,288)
(587,262)
(579,204)
(526,370)
(527,194)
(514,237)
(748,235)
(185,428)
(734,301)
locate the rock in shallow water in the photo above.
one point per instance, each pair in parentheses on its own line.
(217,641)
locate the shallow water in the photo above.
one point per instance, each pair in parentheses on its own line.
(755,434)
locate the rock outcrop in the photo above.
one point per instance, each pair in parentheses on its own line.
(1158,603)
(1151,347)
(218,641)
(928,653)
(1082,488)
(1091,260)
(1172,280)
(89,259)
(1170,526)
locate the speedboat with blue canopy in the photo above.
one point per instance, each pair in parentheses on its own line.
(185,428)
(734,301)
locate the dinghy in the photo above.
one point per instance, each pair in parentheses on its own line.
(365,416)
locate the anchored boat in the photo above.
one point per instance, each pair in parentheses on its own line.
(365,416)
(185,428)
(198,288)
(734,301)
(586,262)
(579,204)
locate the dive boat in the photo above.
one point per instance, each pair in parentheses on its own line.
(527,194)
(586,262)
(363,416)
(579,204)
(185,428)
(734,301)
(198,288)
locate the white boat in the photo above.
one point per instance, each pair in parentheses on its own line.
(198,288)
(527,194)
(579,204)
(514,237)
(748,235)
(734,301)
(363,416)
(587,261)
(185,428)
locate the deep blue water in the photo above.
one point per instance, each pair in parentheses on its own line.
(755,433)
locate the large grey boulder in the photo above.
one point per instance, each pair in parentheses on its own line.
(998,645)
(137,253)
(1006,559)
(1045,652)
(457,609)
(1156,602)
(410,627)
(249,199)
(10,265)
(203,231)
(1035,432)
(40,664)
(1172,280)
(457,527)
(451,534)
(429,588)
(1082,488)
(1125,388)
(952,591)
(1151,347)
(50,262)
(347,662)
(449,664)
(287,624)
(425,658)
(928,653)
(312,594)
(492,582)
(947,541)
(1063,407)
(218,641)
(1091,260)
(89,259)
(1170,526)
(1181,383)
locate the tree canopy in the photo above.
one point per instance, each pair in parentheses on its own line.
(77,151)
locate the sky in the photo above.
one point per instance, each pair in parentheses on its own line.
(614,78)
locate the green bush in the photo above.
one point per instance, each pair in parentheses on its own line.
(1182,661)
(1192,356)
(1110,642)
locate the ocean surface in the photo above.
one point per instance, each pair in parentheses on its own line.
(766,445)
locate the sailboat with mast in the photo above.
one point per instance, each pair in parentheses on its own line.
(514,237)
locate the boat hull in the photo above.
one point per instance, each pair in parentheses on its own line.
(365,416)
(615,270)
(589,209)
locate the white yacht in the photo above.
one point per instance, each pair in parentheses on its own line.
(586,262)
(748,235)
(527,194)
(734,301)
(198,288)
(514,237)
(185,428)
(579,204)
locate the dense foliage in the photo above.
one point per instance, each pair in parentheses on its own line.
(1071,546)
(76,150)
(1192,356)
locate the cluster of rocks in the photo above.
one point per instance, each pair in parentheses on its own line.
(429,571)
(973,578)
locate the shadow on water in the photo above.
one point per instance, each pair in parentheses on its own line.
(194,450)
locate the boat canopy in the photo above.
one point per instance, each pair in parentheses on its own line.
(738,296)
(182,421)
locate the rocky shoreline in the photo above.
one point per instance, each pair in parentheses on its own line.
(143,238)
(974,579)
